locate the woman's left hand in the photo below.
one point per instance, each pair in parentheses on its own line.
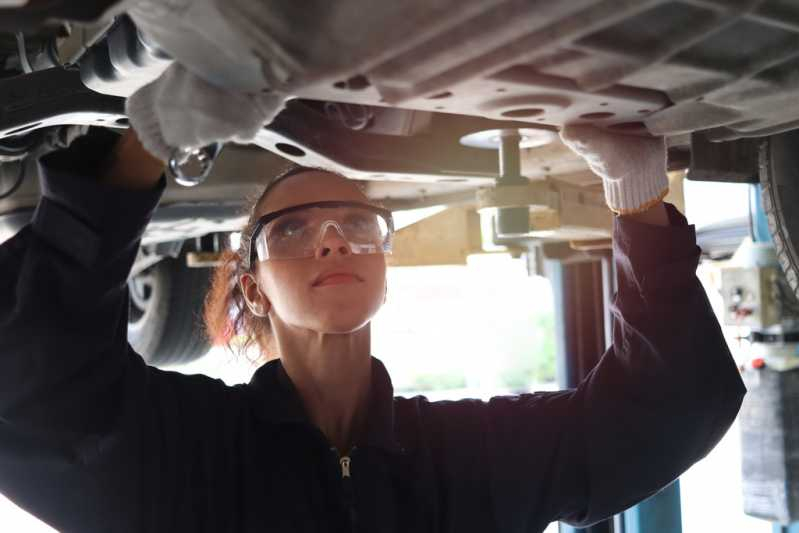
(632,168)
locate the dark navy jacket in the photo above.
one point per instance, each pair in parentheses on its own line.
(92,439)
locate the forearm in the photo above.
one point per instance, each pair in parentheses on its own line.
(130,166)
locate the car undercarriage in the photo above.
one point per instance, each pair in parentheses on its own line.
(452,103)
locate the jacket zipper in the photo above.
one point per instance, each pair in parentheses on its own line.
(345,462)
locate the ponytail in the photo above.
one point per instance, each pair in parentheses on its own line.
(228,321)
(220,302)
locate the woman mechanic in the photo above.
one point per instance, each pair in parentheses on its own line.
(94,440)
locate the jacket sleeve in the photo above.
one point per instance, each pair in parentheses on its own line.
(79,409)
(659,400)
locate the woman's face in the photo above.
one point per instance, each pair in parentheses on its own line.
(343,304)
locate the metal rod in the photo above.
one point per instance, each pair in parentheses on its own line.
(511,220)
(510,162)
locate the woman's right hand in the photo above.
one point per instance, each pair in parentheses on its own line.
(130,166)
(79,409)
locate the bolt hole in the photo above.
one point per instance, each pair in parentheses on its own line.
(597,116)
(290,149)
(629,127)
(644,111)
(439,96)
(356,83)
(440,107)
(501,89)
(525,112)
(451,180)
(604,104)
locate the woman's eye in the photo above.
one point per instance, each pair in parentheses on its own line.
(288,228)
(359,222)
(364,226)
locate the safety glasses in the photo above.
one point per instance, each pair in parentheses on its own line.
(295,232)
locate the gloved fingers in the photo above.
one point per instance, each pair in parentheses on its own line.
(141,111)
(269,104)
(192,112)
(265,107)
(590,143)
(181,110)
(588,140)
(577,138)
(633,169)
(613,156)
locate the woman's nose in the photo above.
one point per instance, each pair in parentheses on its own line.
(332,242)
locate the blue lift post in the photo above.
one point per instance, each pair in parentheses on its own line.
(582,286)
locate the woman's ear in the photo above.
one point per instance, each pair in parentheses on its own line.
(257,302)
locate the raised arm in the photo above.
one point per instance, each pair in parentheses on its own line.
(83,422)
(659,400)
(667,390)
(662,396)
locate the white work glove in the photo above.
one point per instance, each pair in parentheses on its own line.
(633,169)
(182,111)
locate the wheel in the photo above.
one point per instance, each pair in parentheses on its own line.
(779,178)
(164,320)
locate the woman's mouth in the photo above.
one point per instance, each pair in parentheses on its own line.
(338,278)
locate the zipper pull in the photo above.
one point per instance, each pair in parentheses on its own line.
(346,482)
(345,466)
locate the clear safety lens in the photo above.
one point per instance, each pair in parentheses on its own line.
(298,234)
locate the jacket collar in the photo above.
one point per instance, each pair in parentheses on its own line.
(277,401)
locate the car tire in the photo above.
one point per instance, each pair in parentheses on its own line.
(165,312)
(779,178)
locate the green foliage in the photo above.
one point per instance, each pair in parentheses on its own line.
(527,345)
(443,381)
(526,365)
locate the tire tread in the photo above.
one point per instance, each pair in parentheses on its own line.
(774,206)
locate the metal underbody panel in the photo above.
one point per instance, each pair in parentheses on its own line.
(727,67)
(384,92)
